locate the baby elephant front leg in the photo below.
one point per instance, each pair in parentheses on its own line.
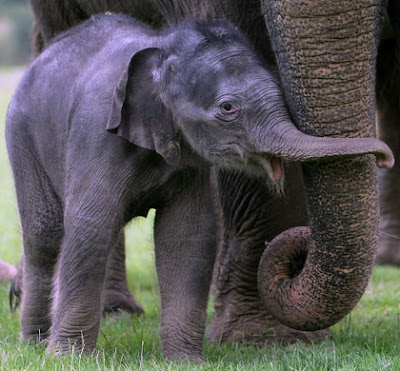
(185,238)
(78,287)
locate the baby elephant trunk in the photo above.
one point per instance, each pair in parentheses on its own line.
(287,142)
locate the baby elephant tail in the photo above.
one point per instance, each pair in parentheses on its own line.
(9,273)
(15,292)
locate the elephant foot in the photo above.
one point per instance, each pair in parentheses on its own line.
(77,344)
(389,250)
(36,336)
(259,328)
(117,301)
(35,339)
(7,271)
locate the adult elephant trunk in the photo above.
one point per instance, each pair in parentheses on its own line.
(326,57)
(287,142)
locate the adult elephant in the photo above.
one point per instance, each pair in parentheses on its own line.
(325,53)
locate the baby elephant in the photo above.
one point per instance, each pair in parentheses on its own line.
(179,101)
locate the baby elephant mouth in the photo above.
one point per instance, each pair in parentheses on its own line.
(273,166)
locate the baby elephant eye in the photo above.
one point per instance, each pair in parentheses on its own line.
(228,111)
(227,107)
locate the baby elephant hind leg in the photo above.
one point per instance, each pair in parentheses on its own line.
(116,295)
(42,229)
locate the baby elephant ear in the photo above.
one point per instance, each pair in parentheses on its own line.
(137,112)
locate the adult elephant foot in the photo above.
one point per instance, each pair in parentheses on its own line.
(241,320)
(116,295)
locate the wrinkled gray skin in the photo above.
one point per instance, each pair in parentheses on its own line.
(116,297)
(180,101)
(240,314)
(326,54)
(328,77)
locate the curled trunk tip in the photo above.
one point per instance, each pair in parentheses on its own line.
(287,288)
(297,146)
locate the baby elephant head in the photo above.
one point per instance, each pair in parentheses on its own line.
(204,86)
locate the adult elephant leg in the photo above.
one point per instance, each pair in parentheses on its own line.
(116,294)
(389,182)
(326,54)
(388,99)
(252,214)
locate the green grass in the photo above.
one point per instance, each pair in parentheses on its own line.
(368,339)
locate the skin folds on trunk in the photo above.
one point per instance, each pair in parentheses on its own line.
(326,57)
(287,142)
